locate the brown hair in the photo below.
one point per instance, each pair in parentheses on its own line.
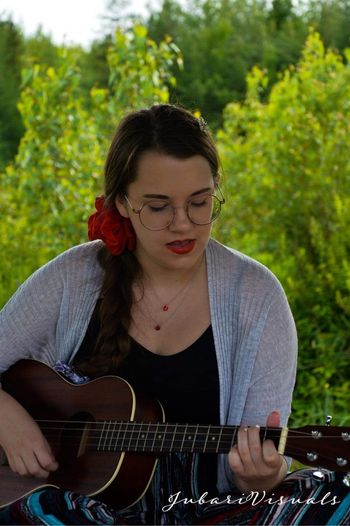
(167,129)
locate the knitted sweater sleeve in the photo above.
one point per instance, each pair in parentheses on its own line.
(28,320)
(273,375)
(41,317)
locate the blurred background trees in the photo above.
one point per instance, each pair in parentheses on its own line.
(287,172)
(48,189)
(276,95)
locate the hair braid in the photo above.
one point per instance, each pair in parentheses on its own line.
(114,313)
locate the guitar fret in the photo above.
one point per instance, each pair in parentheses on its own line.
(206,440)
(219,441)
(116,443)
(164,436)
(183,438)
(138,437)
(123,439)
(111,440)
(173,437)
(233,441)
(189,436)
(106,435)
(101,434)
(130,437)
(169,437)
(154,438)
(144,437)
(194,438)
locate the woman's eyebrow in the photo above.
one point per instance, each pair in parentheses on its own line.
(160,196)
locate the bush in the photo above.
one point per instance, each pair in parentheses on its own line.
(48,192)
(288,182)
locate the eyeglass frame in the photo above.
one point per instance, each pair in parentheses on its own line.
(221,200)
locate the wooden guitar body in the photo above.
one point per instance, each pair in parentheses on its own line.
(69,413)
(107,440)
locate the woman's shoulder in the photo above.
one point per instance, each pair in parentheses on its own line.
(73,268)
(85,252)
(234,267)
(75,259)
(76,265)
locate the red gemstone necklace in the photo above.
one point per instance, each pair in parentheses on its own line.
(165,306)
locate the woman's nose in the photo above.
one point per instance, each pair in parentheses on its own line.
(181,220)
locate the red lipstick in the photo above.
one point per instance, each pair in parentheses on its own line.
(181,246)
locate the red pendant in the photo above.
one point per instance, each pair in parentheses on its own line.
(165,307)
(157,328)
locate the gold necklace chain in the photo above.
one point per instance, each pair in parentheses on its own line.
(165,306)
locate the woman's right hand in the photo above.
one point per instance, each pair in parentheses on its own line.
(26,448)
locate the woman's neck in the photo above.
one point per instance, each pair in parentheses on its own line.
(165,279)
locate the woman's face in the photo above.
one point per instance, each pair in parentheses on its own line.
(165,179)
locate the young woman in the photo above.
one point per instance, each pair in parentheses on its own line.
(197,325)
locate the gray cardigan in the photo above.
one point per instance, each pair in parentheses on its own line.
(254,332)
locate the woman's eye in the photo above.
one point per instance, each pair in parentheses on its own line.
(198,203)
(153,208)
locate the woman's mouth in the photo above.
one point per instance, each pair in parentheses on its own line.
(183,246)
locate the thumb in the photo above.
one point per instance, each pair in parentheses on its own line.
(273,420)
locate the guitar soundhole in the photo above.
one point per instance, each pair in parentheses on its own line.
(75,439)
(3,458)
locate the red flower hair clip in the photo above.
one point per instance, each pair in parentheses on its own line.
(109,225)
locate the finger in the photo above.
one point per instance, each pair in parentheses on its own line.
(255,448)
(243,447)
(46,458)
(235,461)
(274,419)
(271,457)
(32,465)
(18,466)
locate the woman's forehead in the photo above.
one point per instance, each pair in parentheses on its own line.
(160,174)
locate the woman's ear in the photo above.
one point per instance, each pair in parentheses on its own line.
(121,205)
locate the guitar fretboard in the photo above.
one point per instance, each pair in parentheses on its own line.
(168,437)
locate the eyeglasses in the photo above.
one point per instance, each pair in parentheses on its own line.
(158,214)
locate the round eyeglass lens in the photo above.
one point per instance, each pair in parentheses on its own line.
(204,209)
(156,215)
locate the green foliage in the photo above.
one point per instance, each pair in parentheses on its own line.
(49,185)
(331,18)
(11,129)
(39,49)
(288,178)
(140,75)
(221,40)
(48,191)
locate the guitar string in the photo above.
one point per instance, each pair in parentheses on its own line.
(226,434)
(129,423)
(108,435)
(170,432)
(207,447)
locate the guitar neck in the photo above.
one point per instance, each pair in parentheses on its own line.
(170,437)
(74,418)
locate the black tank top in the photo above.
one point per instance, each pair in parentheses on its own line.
(186,383)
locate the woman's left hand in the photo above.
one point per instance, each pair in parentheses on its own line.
(256,466)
